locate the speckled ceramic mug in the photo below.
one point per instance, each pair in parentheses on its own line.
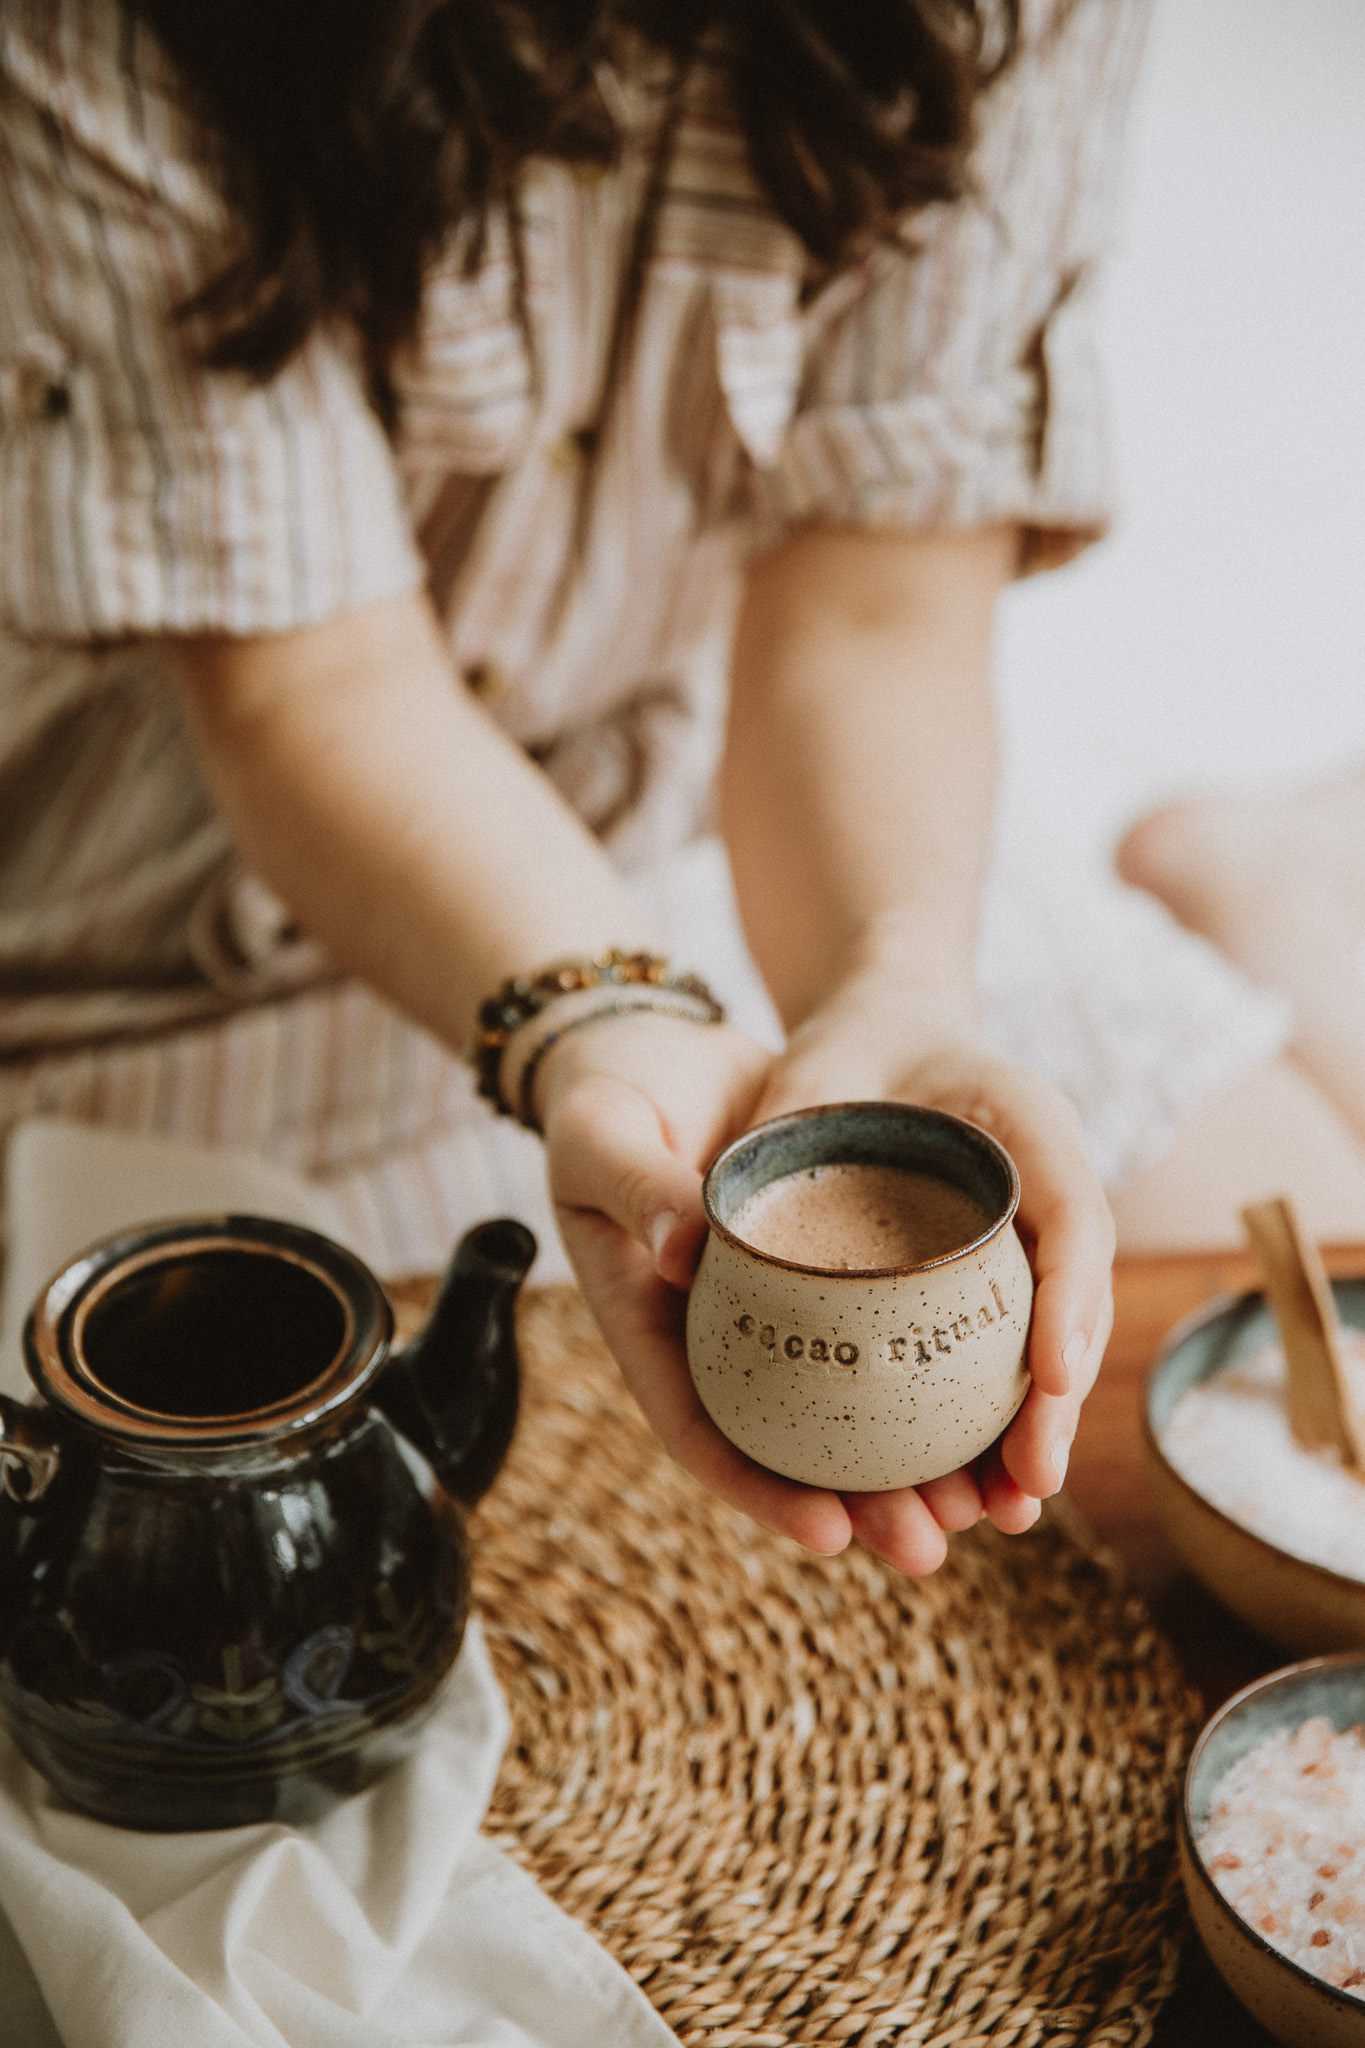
(870,1379)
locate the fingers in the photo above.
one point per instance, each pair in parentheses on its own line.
(632,1110)
(909,1527)
(1008,1505)
(1072,1256)
(900,1528)
(641,1317)
(628,1196)
(1036,1447)
(1069,1233)
(954,1501)
(608,1154)
(1066,1227)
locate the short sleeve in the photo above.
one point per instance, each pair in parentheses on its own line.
(955,382)
(139,491)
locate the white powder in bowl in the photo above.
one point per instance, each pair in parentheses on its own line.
(1285,1845)
(1230,1438)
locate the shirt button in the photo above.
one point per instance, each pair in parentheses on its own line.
(575,448)
(42,397)
(35,384)
(488,680)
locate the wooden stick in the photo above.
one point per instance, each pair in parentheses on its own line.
(1322,1409)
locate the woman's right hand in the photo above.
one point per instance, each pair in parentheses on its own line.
(634,1108)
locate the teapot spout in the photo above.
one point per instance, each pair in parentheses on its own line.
(453,1391)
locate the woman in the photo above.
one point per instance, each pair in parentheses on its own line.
(443,444)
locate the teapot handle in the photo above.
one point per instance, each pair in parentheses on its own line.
(30,1451)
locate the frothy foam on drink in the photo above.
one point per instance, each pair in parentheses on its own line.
(850,1217)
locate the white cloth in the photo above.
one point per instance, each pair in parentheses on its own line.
(1096,986)
(390,1924)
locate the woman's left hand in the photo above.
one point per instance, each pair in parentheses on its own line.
(861,1046)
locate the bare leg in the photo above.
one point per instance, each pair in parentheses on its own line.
(1278,884)
(1275,1133)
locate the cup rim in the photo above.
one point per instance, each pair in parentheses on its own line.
(912,1111)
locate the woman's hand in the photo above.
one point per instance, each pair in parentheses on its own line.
(635,1108)
(867,1044)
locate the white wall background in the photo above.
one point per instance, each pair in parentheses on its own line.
(1218,638)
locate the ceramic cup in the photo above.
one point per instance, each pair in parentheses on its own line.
(862,1380)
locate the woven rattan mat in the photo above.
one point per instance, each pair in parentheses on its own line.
(804,1800)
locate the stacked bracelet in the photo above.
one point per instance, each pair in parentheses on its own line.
(628,981)
(692,1008)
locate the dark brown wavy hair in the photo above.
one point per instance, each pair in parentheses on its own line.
(359,134)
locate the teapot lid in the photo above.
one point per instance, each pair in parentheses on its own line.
(208,1332)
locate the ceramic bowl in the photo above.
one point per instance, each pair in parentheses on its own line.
(862,1380)
(1304,1607)
(1290,2003)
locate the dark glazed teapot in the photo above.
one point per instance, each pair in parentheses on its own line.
(233,1568)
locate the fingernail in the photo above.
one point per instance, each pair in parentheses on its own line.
(1061,1458)
(660,1230)
(1073,1354)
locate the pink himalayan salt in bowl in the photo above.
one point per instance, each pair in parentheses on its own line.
(1272,1850)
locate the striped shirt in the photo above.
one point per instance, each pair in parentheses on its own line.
(142,494)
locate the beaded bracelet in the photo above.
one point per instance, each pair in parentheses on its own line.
(523,997)
(688,1007)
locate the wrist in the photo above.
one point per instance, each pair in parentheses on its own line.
(918,958)
(530,1013)
(903,1011)
(563,1039)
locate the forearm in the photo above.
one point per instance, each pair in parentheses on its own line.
(402,827)
(859,775)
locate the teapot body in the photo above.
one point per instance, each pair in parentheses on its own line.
(206,1649)
(232,1615)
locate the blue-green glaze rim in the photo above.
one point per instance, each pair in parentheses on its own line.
(1239,1724)
(864,1134)
(1230,1327)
